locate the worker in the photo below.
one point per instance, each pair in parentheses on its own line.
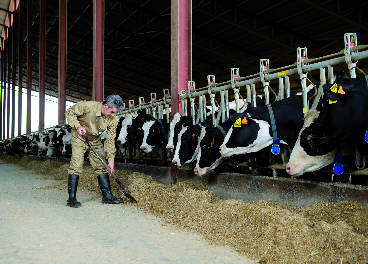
(93,118)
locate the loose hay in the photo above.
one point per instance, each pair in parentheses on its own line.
(265,231)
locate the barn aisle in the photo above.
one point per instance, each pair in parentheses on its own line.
(36,226)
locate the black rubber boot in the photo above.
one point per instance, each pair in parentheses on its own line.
(107,197)
(72,190)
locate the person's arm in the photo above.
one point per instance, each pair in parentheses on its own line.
(110,142)
(72,114)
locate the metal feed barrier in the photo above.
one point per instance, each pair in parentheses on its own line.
(198,97)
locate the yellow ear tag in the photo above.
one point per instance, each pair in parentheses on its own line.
(341,91)
(244,121)
(213,142)
(304,110)
(334,88)
(331,102)
(238,122)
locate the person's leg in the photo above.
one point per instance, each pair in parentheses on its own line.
(75,169)
(103,177)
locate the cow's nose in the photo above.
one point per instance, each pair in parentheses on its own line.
(144,149)
(288,169)
(119,141)
(196,171)
(174,162)
(170,149)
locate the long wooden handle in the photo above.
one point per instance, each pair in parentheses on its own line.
(107,167)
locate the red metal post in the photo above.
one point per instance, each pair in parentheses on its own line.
(42,61)
(181,55)
(14,68)
(10,34)
(20,65)
(1,89)
(98,50)
(29,64)
(62,59)
(4,64)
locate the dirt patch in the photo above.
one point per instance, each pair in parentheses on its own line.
(265,231)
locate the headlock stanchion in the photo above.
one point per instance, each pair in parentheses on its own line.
(220,91)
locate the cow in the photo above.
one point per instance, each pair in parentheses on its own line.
(66,139)
(135,132)
(178,121)
(175,127)
(300,162)
(121,132)
(43,141)
(253,131)
(344,113)
(211,138)
(154,133)
(187,146)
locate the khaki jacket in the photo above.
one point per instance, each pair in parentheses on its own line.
(88,115)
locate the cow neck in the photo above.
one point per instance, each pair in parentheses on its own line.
(275,147)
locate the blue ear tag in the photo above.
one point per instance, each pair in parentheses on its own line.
(338,168)
(366,136)
(275,147)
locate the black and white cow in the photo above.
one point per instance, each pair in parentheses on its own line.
(300,162)
(154,134)
(187,146)
(253,131)
(178,121)
(211,138)
(344,113)
(175,127)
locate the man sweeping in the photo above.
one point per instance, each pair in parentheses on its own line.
(93,118)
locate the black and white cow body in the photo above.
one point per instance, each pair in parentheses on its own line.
(187,145)
(254,131)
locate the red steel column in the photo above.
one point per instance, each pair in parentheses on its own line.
(98,50)
(29,64)
(4,64)
(14,65)
(10,37)
(1,89)
(62,60)
(181,56)
(42,61)
(20,65)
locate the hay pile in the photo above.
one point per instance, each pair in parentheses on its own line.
(265,231)
(9,158)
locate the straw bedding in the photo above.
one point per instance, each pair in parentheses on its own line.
(265,231)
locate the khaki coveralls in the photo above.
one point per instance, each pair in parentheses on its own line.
(88,115)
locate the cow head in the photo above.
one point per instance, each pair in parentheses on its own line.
(211,139)
(246,135)
(300,162)
(343,113)
(187,147)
